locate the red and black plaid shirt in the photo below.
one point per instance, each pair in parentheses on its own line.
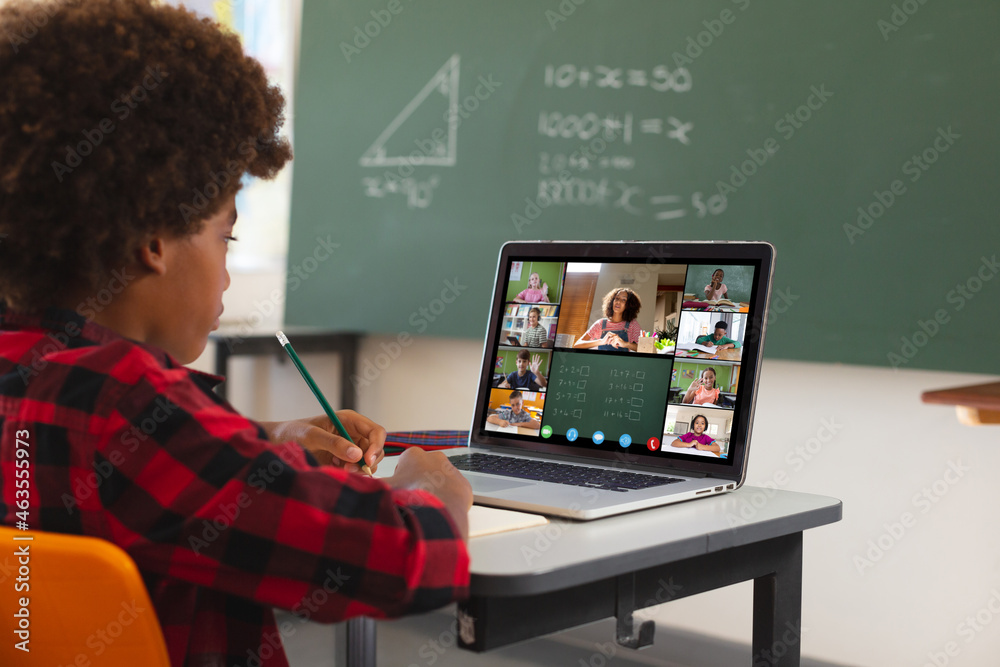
(130,446)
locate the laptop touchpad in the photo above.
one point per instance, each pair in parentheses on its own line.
(481,484)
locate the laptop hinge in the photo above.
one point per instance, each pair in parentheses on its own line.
(688,473)
(673,471)
(638,467)
(634,467)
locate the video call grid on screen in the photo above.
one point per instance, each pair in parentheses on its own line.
(627,395)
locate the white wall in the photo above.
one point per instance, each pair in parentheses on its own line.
(883,448)
(860,435)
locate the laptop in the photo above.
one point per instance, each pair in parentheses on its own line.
(633,385)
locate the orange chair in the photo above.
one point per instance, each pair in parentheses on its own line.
(86,604)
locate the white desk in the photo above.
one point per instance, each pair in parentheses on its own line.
(689,451)
(513,428)
(536,581)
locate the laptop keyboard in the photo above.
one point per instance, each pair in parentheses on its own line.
(559,473)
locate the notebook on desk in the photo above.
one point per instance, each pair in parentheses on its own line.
(608,431)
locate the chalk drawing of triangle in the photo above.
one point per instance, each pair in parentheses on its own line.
(436,153)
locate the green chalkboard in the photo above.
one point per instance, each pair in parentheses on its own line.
(617,394)
(860,138)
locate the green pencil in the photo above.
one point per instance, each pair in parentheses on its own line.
(283,339)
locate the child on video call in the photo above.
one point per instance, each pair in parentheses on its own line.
(523,378)
(716,289)
(618,330)
(112,271)
(535,334)
(515,415)
(537,291)
(697,438)
(719,338)
(703,390)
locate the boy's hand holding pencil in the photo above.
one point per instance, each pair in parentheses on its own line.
(319,436)
(427,471)
(372,433)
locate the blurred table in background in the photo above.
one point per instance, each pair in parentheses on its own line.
(976,404)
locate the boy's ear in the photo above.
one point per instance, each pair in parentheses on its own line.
(152,255)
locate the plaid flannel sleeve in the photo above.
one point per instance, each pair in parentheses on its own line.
(197,493)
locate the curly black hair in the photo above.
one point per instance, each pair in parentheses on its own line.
(119,119)
(632,304)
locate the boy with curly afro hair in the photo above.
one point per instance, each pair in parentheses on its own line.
(126,128)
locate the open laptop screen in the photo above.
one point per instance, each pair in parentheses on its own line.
(623,355)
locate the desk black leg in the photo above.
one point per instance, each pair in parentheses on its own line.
(222,365)
(777,607)
(627,633)
(348,369)
(356,639)
(774,565)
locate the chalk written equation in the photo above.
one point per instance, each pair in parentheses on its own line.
(609,127)
(604,192)
(623,381)
(660,78)
(615,393)
(612,126)
(565,390)
(418,193)
(568,178)
(621,406)
(579,396)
